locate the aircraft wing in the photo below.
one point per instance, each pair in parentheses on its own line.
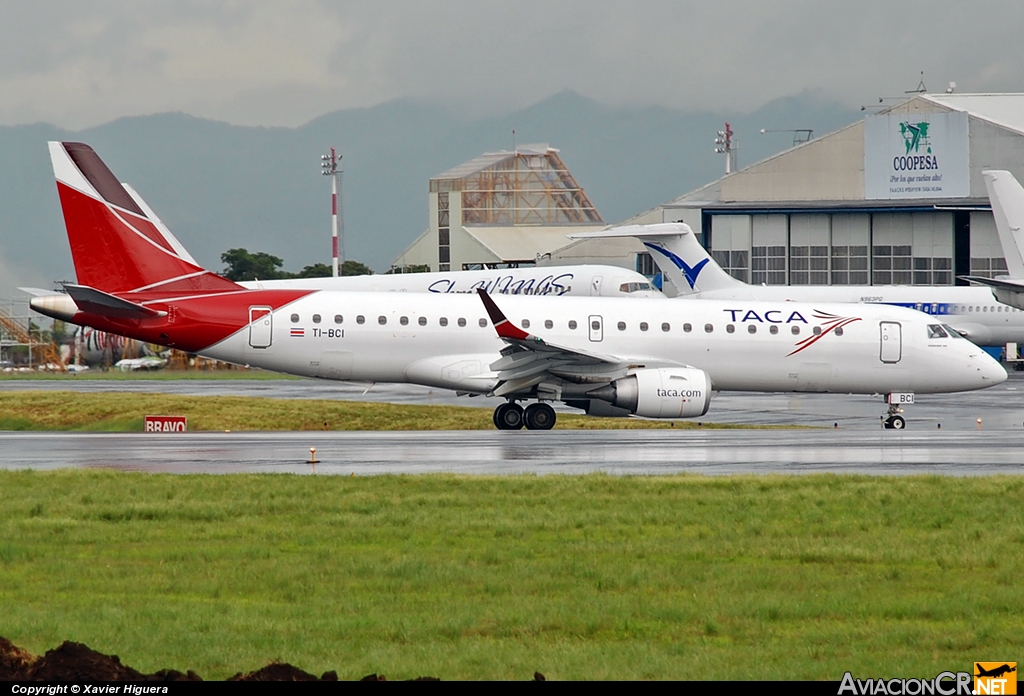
(528,360)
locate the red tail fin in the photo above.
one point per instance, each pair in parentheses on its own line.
(116,247)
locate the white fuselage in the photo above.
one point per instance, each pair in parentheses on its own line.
(446,341)
(553,281)
(970,309)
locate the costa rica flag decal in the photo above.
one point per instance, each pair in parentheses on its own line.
(298,333)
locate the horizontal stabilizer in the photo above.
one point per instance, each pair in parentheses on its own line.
(1001,283)
(98,302)
(665,229)
(36,292)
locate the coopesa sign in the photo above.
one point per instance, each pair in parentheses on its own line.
(918,155)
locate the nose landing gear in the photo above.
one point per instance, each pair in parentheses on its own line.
(893,420)
(511,416)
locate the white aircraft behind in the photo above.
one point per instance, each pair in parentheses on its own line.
(1007,198)
(584,280)
(972,311)
(607,356)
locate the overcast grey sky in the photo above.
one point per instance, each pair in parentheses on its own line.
(283,62)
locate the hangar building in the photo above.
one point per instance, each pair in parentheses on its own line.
(501,210)
(897,197)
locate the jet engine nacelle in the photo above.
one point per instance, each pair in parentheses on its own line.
(668,392)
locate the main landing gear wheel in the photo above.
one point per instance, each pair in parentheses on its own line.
(508,416)
(895,423)
(539,417)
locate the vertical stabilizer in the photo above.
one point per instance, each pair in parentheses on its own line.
(115,245)
(680,257)
(1007,197)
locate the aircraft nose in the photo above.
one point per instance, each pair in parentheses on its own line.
(990,371)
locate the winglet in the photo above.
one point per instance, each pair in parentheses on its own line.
(502,325)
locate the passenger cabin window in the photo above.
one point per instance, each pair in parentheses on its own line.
(526,323)
(665,327)
(382,320)
(404,321)
(773,329)
(729,328)
(687,328)
(338,318)
(295,318)
(572,324)
(360,319)
(643,326)
(752,328)
(838,331)
(462,321)
(817,330)
(483,323)
(622,326)
(548,324)
(422,321)
(796,330)
(708,328)
(443,321)
(316,318)
(936,331)
(595,325)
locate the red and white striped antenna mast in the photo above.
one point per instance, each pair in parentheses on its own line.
(329,167)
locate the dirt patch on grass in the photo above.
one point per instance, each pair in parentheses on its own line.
(75,662)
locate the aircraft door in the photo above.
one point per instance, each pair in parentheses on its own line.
(596,328)
(261,326)
(891,336)
(595,288)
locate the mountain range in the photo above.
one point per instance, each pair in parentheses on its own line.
(220,186)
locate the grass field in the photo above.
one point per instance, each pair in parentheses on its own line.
(689,577)
(123,412)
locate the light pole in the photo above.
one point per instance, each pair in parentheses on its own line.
(329,167)
(800,135)
(724,145)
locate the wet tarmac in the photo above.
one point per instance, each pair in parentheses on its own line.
(848,437)
(1000,408)
(622,452)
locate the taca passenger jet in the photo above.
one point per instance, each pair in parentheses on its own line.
(972,311)
(607,356)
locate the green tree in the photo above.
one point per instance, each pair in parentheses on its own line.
(354,268)
(59,332)
(316,270)
(240,264)
(322,270)
(412,268)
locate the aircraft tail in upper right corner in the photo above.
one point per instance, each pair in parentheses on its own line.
(680,257)
(117,243)
(1007,198)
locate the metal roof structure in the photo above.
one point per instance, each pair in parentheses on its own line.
(1006,110)
(527,186)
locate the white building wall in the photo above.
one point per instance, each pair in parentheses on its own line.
(730,244)
(987,258)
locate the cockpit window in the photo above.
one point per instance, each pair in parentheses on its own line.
(936,331)
(634,287)
(953,333)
